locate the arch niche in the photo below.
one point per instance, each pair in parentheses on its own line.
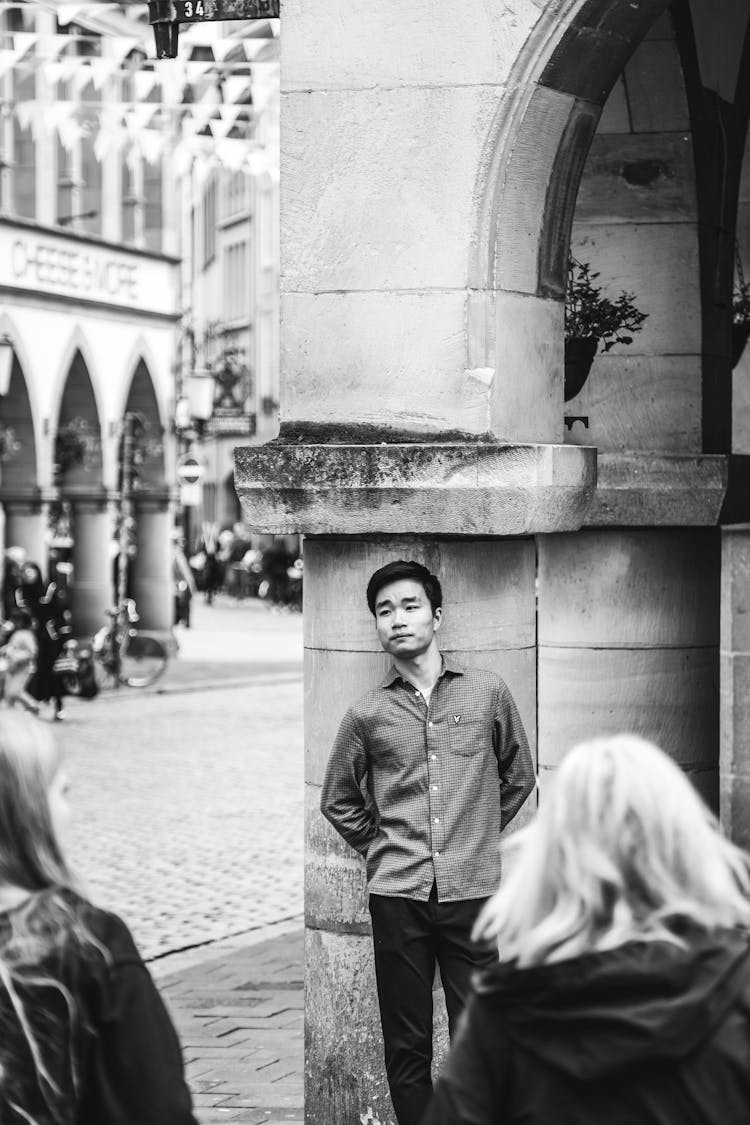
(24,517)
(147,503)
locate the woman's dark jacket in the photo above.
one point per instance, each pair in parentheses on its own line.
(647,1034)
(105,1037)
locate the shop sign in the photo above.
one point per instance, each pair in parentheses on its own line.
(73,267)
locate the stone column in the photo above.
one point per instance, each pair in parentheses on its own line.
(26,526)
(628,641)
(92,562)
(735,682)
(152,566)
(489,621)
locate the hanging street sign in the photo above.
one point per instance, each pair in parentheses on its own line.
(189,470)
(166,16)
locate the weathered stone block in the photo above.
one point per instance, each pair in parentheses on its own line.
(377,187)
(735,589)
(637,402)
(658,263)
(354,45)
(335,875)
(735,808)
(344,1070)
(735,714)
(462,488)
(488,591)
(653,490)
(670,696)
(640,588)
(529,339)
(398,359)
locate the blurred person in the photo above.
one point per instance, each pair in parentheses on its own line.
(448,766)
(183,581)
(622,994)
(86,1039)
(18,658)
(47,606)
(15,557)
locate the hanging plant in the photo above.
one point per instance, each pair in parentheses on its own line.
(591,319)
(76,446)
(9,444)
(740,309)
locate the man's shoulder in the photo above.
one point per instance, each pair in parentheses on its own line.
(472,676)
(367,704)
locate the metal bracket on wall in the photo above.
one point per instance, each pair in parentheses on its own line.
(571,419)
(166,16)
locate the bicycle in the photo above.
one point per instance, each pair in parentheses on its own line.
(120,654)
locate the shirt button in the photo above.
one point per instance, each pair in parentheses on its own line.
(434,789)
(430,724)
(437,820)
(433,757)
(437,854)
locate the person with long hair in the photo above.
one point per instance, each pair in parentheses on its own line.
(85,1038)
(622,990)
(46,605)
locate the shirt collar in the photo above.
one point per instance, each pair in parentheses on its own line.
(449,665)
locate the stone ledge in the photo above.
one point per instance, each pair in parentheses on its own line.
(432,488)
(659,490)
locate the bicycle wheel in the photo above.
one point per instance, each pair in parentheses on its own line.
(142,661)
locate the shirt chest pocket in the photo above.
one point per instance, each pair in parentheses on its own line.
(468,736)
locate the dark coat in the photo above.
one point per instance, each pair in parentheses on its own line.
(647,1034)
(99,1007)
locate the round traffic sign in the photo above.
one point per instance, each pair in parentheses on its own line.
(189,470)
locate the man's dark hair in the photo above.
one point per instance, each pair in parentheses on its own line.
(394,572)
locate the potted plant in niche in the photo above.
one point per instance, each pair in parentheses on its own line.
(591,319)
(740,310)
(75,444)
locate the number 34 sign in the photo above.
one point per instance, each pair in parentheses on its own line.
(190,11)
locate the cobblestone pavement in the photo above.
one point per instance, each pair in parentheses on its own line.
(188,804)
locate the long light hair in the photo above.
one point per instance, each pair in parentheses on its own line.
(39,1073)
(622,849)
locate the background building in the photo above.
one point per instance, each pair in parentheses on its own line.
(112,167)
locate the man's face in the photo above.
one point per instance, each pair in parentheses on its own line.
(404,619)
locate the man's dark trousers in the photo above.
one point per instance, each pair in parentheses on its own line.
(409,936)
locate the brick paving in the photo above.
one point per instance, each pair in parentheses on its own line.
(240,1018)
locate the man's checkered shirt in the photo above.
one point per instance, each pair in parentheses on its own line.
(443,778)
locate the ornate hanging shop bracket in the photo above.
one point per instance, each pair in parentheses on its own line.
(167,15)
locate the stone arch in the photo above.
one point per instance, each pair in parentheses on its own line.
(149,439)
(527,188)
(78,408)
(18,411)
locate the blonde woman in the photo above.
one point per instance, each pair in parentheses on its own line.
(84,1036)
(622,995)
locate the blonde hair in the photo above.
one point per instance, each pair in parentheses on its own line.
(622,849)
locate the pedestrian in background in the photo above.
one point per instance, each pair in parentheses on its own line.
(448,767)
(623,991)
(47,606)
(86,1039)
(18,657)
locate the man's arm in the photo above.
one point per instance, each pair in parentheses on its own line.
(342,801)
(514,763)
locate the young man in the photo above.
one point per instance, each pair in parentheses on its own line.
(448,766)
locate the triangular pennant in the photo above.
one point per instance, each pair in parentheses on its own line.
(224,46)
(219,127)
(52,72)
(235,88)
(81,78)
(7,61)
(152,143)
(101,71)
(139,116)
(23,42)
(143,83)
(196,70)
(232,154)
(67,12)
(253,47)
(230,113)
(122,46)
